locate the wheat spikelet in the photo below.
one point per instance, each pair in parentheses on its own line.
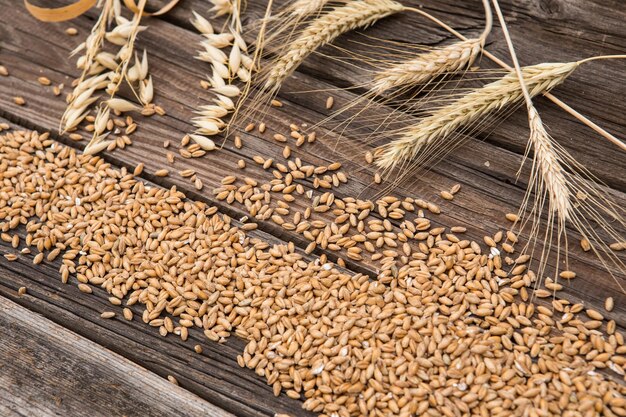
(468,109)
(573,195)
(355,14)
(440,61)
(425,67)
(549,167)
(302,8)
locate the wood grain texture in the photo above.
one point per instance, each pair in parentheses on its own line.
(543,31)
(47,370)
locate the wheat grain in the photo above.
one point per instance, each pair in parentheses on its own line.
(469,108)
(326,28)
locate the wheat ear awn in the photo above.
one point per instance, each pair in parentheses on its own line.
(440,61)
(321,31)
(475,105)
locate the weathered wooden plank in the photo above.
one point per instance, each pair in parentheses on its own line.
(48,370)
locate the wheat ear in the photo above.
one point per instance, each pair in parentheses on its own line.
(323,30)
(440,61)
(548,176)
(469,108)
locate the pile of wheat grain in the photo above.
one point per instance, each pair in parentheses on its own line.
(452,332)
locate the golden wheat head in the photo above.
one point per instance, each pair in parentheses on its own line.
(470,108)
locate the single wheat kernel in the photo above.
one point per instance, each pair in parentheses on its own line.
(377,178)
(618,246)
(4,71)
(329,102)
(238,143)
(241,164)
(262,128)
(128,314)
(138,169)
(19,100)
(38,258)
(369,158)
(511,217)
(107,315)
(609,304)
(71,31)
(21,291)
(172,379)
(250,127)
(279,138)
(277,103)
(197,348)
(44,81)
(85,288)
(594,315)
(585,245)
(446,195)
(568,274)
(162,173)
(455,188)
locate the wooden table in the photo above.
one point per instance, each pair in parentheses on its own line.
(57,357)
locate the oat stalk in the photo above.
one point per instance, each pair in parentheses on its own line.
(119,75)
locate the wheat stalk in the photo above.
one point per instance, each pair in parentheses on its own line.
(549,177)
(440,61)
(471,107)
(427,66)
(323,30)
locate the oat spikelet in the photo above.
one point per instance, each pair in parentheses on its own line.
(470,108)
(321,31)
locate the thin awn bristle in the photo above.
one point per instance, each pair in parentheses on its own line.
(468,109)
(326,28)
